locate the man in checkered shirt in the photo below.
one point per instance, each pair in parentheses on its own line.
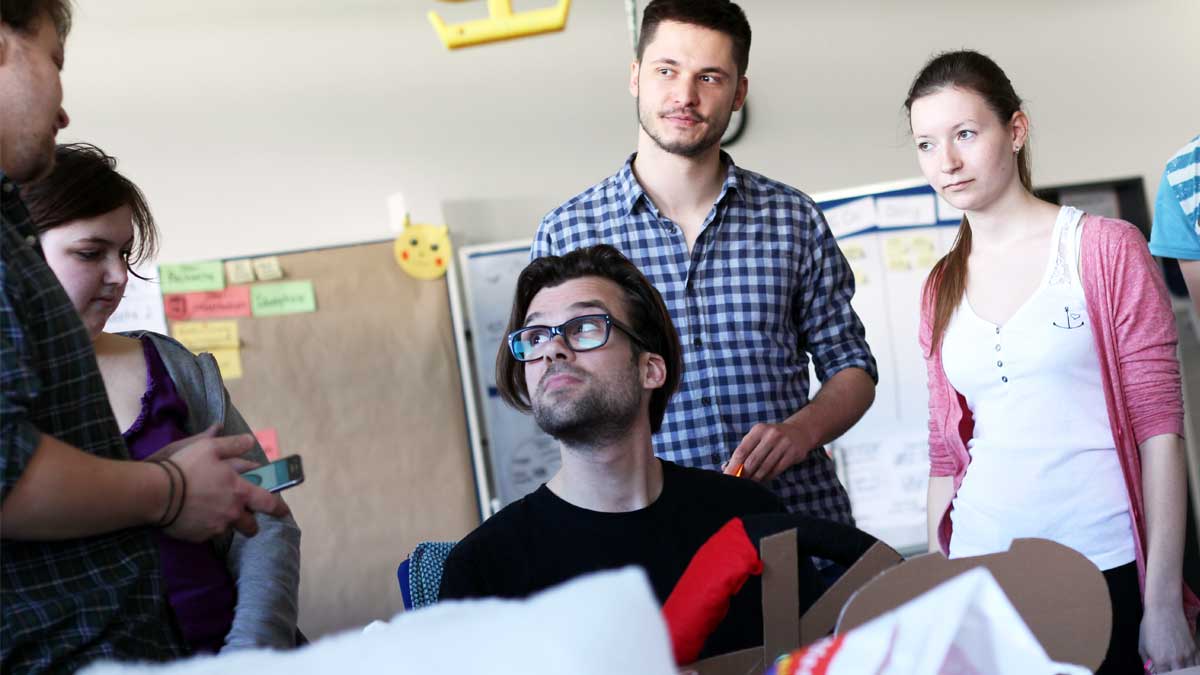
(748,267)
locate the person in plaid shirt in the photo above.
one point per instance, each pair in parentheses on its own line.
(752,275)
(79,575)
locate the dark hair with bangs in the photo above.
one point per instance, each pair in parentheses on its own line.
(647,316)
(23,15)
(85,184)
(719,15)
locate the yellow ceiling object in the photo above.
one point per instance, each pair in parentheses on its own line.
(502,24)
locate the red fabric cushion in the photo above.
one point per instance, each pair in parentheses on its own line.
(701,597)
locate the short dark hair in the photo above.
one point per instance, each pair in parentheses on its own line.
(23,15)
(85,184)
(648,317)
(719,15)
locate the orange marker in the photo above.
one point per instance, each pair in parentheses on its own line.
(738,473)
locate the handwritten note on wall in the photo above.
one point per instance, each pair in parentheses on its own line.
(192,277)
(269,440)
(229,303)
(207,335)
(288,297)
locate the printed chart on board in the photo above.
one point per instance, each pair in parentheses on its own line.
(520,456)
(892,235)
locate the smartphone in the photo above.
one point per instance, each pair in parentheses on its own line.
(278,475)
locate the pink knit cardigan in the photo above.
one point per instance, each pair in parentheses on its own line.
(1136,341)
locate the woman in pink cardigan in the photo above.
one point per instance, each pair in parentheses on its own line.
(1054,392)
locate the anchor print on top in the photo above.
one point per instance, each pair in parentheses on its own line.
(1073,320)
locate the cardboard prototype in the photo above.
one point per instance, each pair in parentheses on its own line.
(1060,594)
(783,628)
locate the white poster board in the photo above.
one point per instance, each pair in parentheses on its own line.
(519,456)
(892,235)
(141,307)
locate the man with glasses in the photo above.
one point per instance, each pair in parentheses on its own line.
(592,353)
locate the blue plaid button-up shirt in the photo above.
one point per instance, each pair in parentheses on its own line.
(69,602)
(764,287)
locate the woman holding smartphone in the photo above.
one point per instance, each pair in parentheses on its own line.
(93,225)
(1055,405)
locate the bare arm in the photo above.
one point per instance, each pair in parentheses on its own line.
(839,404)
(65,493)
(941,492)
(1191,276)
(1165,637)
(769,449)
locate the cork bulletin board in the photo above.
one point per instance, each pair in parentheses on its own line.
(366,389)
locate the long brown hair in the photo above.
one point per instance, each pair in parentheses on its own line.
(970,71)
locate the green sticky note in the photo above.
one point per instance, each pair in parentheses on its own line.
(192,277)
(287,297)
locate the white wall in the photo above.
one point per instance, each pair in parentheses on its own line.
(281,124)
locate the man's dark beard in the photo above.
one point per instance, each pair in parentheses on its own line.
(715,132)
(597,418)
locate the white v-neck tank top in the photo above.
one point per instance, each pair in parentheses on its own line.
(1043,461)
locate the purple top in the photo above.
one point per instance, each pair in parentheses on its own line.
(200,589)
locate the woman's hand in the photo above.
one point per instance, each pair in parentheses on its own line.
(1165,640)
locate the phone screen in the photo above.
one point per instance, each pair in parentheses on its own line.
(280,474)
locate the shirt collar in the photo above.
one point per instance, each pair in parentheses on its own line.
(12,210)
(630,190)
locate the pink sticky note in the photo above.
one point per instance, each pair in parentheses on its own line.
(232,302)
(269,440)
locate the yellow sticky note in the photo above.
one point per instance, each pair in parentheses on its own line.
(896,246)
(229,361)
(854,252)
(267,269)
(203,336)
(239,272)
(926,259)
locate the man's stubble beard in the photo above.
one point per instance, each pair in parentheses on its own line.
(600,415)
(713,137)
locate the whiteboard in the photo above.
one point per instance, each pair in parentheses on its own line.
(518,455)
(891,235)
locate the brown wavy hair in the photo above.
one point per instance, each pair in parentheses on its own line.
(647,316)
(970,71)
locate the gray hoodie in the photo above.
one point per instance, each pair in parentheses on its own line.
(266,567)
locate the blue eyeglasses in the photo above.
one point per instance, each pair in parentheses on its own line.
(581,334)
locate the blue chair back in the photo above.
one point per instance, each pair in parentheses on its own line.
(420,574)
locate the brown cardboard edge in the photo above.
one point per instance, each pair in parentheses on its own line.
(1066,606)
(780,594)
(783,629)
(742,662)
(822,617)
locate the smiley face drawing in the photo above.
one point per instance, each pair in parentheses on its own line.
(423,251)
